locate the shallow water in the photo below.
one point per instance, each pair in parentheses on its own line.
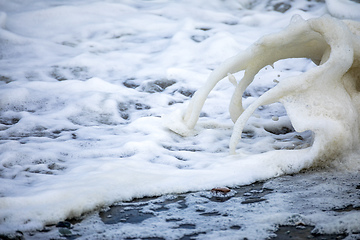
(82,88)
(309,205)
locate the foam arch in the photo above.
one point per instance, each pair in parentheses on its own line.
(324,100)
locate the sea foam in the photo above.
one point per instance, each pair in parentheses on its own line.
(83,85)
(324,100)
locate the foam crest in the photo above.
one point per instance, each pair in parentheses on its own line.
(323,99)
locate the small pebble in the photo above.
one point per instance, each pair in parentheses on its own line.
(63,224)
(65,232)
(222,190)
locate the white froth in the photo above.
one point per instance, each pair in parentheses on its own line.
(323,100)
(83,86)
(345,9)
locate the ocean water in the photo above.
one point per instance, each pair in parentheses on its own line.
(84,86)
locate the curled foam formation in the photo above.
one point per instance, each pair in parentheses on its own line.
(325,99)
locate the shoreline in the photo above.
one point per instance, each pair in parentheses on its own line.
(211,214)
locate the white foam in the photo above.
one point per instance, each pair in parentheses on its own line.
(345,9)
(324,98)
(83,86)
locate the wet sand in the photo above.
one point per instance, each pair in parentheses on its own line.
(228,213)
